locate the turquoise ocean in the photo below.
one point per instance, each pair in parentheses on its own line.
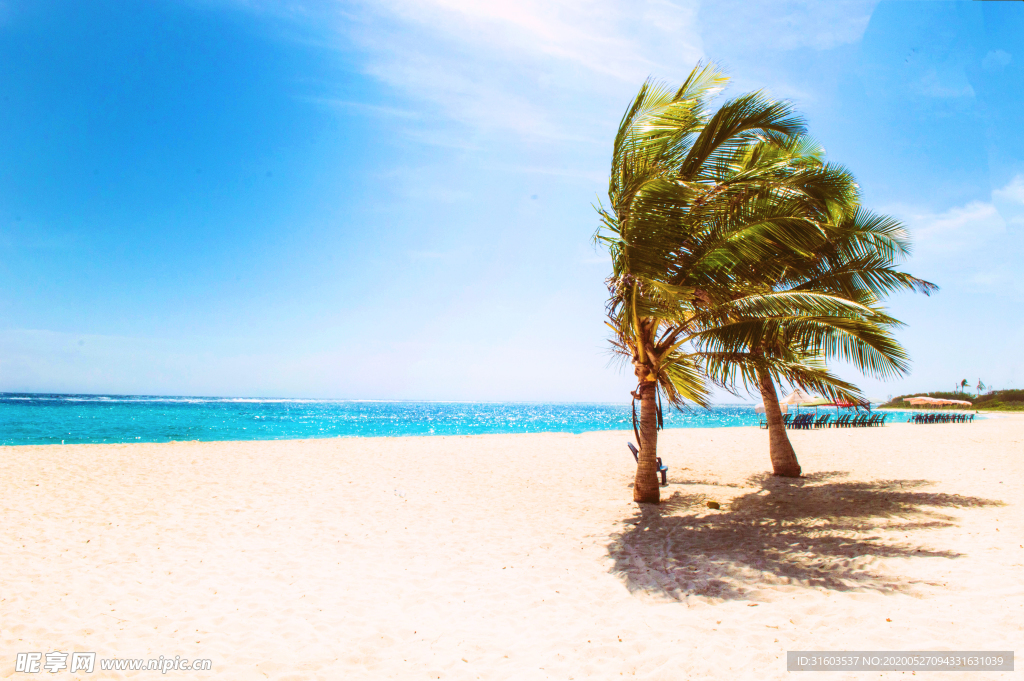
(31,419)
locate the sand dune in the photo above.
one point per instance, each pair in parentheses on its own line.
(514,556)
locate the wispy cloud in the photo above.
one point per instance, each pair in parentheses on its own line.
(373,110)
(609,38)
(789,24)
(553,69)
(1012,193)
(962,233)
(950,83)
(539,70)
(561,69)
(589,176)
(996,59)
(437,255)
(958,229)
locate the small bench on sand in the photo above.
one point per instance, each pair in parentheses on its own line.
(662,468)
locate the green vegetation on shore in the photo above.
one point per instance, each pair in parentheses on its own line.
(996,400)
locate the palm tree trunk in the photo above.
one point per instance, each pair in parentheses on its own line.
(645,486)
(784,461)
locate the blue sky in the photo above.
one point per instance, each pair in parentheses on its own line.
(392,200)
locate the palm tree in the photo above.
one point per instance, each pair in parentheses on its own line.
(824,306)
(690,192)
(963,385)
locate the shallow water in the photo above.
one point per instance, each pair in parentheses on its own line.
(52,419)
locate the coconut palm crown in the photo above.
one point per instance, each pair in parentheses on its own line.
(822,306)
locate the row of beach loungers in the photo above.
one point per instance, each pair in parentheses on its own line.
(808,421)
(941,418)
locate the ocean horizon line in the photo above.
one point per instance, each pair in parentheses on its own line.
(243,398)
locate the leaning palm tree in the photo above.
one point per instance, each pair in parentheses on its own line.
(825,306)
(690,192)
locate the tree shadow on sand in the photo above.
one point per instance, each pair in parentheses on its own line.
(816,532)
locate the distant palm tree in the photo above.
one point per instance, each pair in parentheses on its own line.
(981,387)
(963,385)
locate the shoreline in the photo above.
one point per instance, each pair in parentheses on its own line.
(628,432)
(514,556)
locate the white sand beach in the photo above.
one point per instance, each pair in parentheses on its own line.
(514,556)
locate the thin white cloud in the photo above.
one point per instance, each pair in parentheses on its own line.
(788,24)
(604,37)
(464,93)
(952,83)
(1013,192)
(433,193)
(996,59)
(967,228)
(1010,202)
(560,69)
(372,110)
(555,70)
(533,68)
(438,255)
(590,176)
(959,228)
(423,184)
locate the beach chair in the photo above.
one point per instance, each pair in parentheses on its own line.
(787,419)
(662,468)
(822,422)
